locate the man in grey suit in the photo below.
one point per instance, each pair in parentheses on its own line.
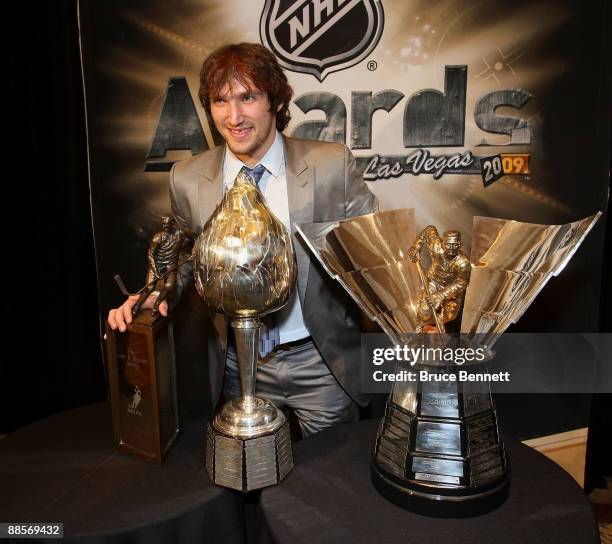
(314,366)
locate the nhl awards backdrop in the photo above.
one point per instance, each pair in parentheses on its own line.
(454,108)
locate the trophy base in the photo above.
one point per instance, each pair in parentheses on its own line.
(142,387)
(438,502)
(439,451)
(250,458)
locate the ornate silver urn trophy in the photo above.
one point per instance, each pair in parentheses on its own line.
(439,450)
(245,267)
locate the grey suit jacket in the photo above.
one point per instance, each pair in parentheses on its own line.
(323,185)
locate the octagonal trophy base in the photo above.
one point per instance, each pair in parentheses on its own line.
(248,445)
(439,451)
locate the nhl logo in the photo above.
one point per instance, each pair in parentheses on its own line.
(321,36)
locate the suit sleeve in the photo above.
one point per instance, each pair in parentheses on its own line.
(180,212)
(359,199)
(179,204)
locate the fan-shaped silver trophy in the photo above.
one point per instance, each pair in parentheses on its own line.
(439,450)
(245,267)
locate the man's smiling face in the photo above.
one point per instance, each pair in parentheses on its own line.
(244,119)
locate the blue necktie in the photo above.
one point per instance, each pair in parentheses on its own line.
(255,173)
(269,335)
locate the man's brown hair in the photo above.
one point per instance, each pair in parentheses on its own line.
(250,64)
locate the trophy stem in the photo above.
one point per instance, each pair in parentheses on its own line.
(246,333)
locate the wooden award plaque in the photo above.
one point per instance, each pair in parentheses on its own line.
(142,384)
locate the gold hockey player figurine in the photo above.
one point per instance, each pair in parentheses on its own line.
(446,280)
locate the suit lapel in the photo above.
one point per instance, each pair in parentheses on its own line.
(300,191)
(210,193)
(210,188)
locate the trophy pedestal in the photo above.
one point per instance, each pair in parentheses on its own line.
(142,386)
(439,451)
(248,445)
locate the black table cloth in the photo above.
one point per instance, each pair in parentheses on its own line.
(65,469)
(329,498)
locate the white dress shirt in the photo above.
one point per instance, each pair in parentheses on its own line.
(273,185)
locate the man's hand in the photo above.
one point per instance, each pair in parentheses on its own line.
(119,318)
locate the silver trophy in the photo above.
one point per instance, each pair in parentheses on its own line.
(245,267)
(439,450)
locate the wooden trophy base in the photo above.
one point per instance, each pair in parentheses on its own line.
(142,386)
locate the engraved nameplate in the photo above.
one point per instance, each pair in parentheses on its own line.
(436,478)
(437,466)
(438,437)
